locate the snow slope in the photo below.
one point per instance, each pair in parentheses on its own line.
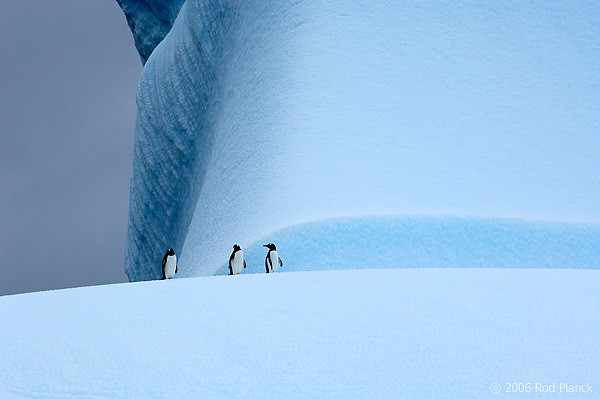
(410,333)
(257,115)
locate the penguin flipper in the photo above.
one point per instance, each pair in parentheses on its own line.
(176,268)
(280,263)
(230,262)
(267,263)
(164,262)
(244,263)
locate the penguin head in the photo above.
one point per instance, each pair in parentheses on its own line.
(236,248)
(271,246)
(170,252)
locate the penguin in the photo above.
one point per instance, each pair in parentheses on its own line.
(236,260)
(169,264)
(272,258)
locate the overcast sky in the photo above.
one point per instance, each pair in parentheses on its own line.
(68,75)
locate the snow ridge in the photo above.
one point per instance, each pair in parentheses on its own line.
(386,242)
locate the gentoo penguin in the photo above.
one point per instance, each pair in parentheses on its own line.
(272,259)
(169,265)
(236,261)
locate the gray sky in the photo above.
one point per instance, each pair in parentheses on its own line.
(68,75)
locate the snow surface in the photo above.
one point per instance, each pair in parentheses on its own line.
(409,333)
(254,116)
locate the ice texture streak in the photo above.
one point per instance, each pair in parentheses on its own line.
(256,116)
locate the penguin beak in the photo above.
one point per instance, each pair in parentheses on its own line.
(266,246)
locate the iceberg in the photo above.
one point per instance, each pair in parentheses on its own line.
(259,117)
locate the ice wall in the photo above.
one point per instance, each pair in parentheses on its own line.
(149,21)
(259,115)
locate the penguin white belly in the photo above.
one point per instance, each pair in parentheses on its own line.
(274,261)
(237,264)
(170,266)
